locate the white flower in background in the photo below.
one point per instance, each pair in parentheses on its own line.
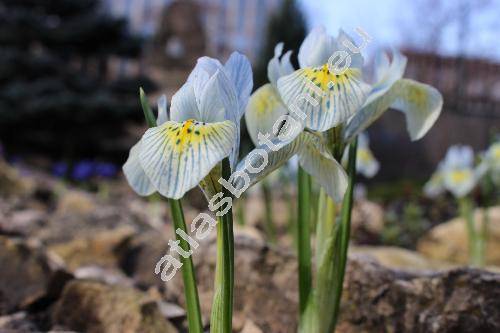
(366,164)
(490,162)
(456,173)
(203,129)
(265,114)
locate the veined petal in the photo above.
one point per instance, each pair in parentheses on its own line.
(263,110)
(177,156)
(211,107)
(278,152)
(318,162)
(316,48)
(184,105)
(381,65)
(162,110)
(324,98)
(277,68)
(421,104)
(239,71)
(134,173)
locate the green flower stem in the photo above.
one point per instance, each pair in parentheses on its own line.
(476,253)
(324,224)
(188,275)
(268,219)
(222,307)
(304,239)
(344,230)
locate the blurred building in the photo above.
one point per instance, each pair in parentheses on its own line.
(224,25)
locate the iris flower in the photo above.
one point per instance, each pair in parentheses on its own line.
(456,173)
(345,98)
(490,162)
(265,114)
(202,129)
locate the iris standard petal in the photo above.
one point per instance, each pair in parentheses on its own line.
(321,98)
(134,173)
(184,105)
(177,156)
(316,48)
(162,110)
(421,104)
(239,70)
(211,107)
(263,110)
(318,162)
(277,68)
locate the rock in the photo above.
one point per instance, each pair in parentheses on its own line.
(250,327)
(367,222)
(98,248)
(378,299)
(399,258)
(22,222)
(449,241)
(24,275)
(75,203)
(11,182)
(17,322)
(265,284)
(91,306)
(138,256)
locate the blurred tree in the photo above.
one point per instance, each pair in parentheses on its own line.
(287,25)
(56,95)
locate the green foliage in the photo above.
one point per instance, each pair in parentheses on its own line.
(404,228)
(55,96)
(288,25)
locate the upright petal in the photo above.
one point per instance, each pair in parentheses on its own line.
(239,71)
(134,173)
(318,162)
(184,105)
(211,102)
(263,110)
(277,68)
(421,105)
(316,48)
(325,99)
(162,110)
(177,156)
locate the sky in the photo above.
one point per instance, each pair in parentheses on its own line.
(401,23)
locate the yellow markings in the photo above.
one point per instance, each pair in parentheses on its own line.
(185,134)
(496,152)
(326,80)
(265,100)
(418,96)
(460,176)
(364,155)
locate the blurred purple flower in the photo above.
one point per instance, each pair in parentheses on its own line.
(83,170)
(60,169)
(105,170)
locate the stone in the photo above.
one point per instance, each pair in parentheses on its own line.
(92,306)
(378,299)
(367,221)
(399,258)
(449,242)
(75,203)
(24,274)
(375,299)
(98,248)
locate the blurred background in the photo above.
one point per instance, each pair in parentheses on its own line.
(70,72)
